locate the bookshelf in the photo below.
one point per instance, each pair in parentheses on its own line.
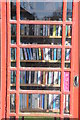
(40,57)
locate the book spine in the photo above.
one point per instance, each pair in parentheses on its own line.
(46,53)
(27,101)
(38,30)
(29,77)
(28,54)
(59,30)
(27,30)
(67,54)
(43,30)
(67,103)
(50,78)
(39,77)
(45,102)
(21,102)
(54,102)
(34,54)
(58,54)
(46,30)
(50,101)
(55,50)
(55,78)
(54,30)
(57,101)
(66,30)
(22,29)
(21,54)
(66,81)
(25,77)
(42,101)
(39,53)
(49,54)
(25,53)
(35,30)
(12,81)
(44,77)
(35,78)
(59,78)
(69,31)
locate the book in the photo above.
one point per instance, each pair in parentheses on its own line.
(37,54)
(46,53)
(34,53)
(35,77)
(25,77)
(30,101)
(59,30)
(67,54)
(56,102)
(25,53)
(54,30)
(40,54)
(55,51)
(27,29)
(32,77)
(35,101)
(29,77)
(66,30)
(42,101)
(50,78)
(49,53)
(66,103)
(12,102)
(50,101)
(48,30)
(69,31)
(20,102)
(45,102)
(28,52)
(44,77)
(27,100)
(58,54)
(12,81)
(22,30)
(55,78)
(13,53)
(59,78)
(44,30)
(39,77)
(38,30)
(21,54)
(66,81)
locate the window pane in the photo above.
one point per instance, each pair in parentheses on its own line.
(41,10)
(13,9)
(69,10)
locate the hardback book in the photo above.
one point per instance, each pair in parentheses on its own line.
(42,58)
(66,81)
(12,101)
(46,53)
(34,53)
(55,77)
(50,78)
(39,77)
(27,100)
(66,30)
(29,77)
(56,102)
(21,77)
(35,77)
(41,30)
(21,54)
(59,30)
(45,102)
(69,31)
(37,54)
(20,101)
(25,77)
(35,101)
(46,78)
(12,54)
(40,54)
(54,30)
(66,103)
(46,30)
(67,54)
(50,101)
(58,54)
(32,77)
(55,51)
(28,52)
(42,101)
(25,53)
(49,54)
(38,30)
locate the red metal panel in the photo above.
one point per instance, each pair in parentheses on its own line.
(3,59)
(79,51)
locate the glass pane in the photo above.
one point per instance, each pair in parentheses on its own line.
(13,80)
(13,33)
(40,80)
(39,103)
(12,102)
(66,81)
(69,10)
(13,57)
(41,10)
(41,34)
(66,104)
(13,9)
(44,57)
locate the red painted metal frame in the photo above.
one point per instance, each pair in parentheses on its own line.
(3,59)
(74,65)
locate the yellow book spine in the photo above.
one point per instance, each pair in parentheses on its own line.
(54,30)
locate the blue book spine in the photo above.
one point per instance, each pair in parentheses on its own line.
(25,76)
(21,101)
(55,53)
(43,101)
(28,54)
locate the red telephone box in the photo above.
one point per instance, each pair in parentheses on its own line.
(39,59)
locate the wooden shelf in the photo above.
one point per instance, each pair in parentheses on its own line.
(40,110)
(36,85)
(67,61)
(68,36)
(50,61)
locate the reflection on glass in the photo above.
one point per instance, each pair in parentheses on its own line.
(46,80)
(66,104)
(13,9)
(13,33)
(39,103)
(13,57)
(13,80)
(69,10)
(12,102)
(66,81)
(41,10)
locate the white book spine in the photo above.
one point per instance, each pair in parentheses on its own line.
(46,53)
(29,77)
(39,77)
(50,101)
(55,78)
(59,30)
(21,54)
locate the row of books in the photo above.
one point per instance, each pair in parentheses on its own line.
(40,54)
(13,76)
(40,77)
(13,53)
(39,101)
(41,30)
